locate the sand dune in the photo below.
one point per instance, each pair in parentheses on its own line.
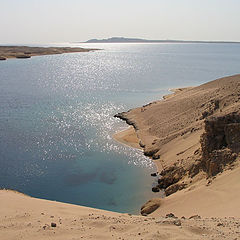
(23,217)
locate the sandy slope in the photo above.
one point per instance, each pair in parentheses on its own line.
(23,217)
(178,116)
(219,198)
(170,130)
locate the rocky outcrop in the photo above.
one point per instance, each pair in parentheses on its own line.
(211,107)
(150,206)
(174,188)
(123,116)
(169,180)
(220,146)
(156,189)
(220,142)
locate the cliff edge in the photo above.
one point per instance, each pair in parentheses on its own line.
(193,136)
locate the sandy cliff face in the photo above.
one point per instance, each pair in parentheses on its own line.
(220,143)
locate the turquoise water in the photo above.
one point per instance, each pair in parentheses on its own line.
(56,117)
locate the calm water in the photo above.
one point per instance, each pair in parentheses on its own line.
(56,117)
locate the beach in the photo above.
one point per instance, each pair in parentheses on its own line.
(128,137)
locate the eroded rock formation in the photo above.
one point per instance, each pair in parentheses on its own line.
(220,142)
(220,146)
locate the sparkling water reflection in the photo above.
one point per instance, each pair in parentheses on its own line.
(56,117)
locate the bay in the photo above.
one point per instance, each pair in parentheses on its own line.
(56,117)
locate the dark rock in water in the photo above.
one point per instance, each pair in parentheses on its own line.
(23,56)
(153,174)
(155,156)
(53,224)
(3,58)
(155,189)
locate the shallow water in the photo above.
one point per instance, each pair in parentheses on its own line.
(56,117)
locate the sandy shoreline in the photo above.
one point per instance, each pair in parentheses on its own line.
(127,137)
(23,52)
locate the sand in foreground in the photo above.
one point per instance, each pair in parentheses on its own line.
(23,217)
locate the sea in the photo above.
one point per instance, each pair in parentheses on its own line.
(56,117)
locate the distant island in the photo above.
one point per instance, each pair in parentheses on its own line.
(139,40)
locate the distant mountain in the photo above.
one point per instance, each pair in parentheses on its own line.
(139,40)
(126,40)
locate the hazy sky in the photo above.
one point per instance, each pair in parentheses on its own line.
(48,21)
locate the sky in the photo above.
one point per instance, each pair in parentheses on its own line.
(58,21)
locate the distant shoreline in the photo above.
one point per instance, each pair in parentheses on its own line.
(139,40)
(23,52)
